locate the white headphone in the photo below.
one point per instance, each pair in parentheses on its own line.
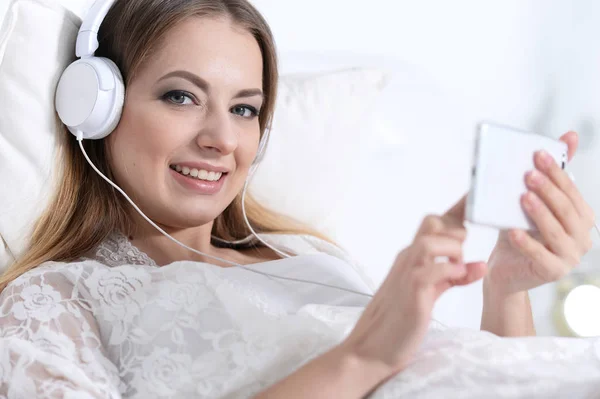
(90,93)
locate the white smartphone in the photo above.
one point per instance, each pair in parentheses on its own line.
(503,156)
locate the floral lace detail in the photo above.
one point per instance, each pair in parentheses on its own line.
(120,327)
(117,250)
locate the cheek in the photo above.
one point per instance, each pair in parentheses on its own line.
(150,130)
(141,144)
(246,151)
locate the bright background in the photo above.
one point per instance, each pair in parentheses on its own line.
(533,64)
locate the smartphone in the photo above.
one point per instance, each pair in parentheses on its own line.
(503,156)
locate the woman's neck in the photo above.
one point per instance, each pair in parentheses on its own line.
(164,251)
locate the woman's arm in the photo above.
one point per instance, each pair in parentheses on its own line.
(391,329)
(506,315)
(335,374)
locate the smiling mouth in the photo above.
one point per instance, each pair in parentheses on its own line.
(198,174)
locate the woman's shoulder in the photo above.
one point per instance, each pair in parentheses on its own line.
(77,288)
(44,294)
(56,276)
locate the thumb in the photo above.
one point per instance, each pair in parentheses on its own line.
(457,212)
(572,141)
(475,271)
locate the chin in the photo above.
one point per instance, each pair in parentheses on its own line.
(186,217)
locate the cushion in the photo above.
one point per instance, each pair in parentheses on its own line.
(31,62)
(320,140)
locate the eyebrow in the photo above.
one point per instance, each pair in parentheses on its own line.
(203,84)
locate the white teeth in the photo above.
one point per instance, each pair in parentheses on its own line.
(198,174)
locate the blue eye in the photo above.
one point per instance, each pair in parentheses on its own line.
(245,111)
(179,97)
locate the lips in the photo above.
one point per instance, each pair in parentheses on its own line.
(199,174)
(196,185)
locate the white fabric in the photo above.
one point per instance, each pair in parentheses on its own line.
(316,115)
(319,144)
(31,60)
(118,326)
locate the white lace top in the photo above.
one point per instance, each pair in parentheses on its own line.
(118,326)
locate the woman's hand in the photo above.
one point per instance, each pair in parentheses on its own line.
(521,261)
(393,325)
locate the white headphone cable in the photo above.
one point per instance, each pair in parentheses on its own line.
(248,179)
(233,264)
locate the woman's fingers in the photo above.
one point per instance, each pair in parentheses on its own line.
(555,199)
(456,214)
(548,267)
(427,248)
(431,224)
(440,275)
(551,230)
(475,272)
(572,140)
(446,225)
(546,164)
(446,275)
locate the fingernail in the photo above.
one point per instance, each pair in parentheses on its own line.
(545,158)
(529,202)
(535,178)
(517,235)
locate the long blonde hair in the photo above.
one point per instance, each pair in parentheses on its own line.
(86,210)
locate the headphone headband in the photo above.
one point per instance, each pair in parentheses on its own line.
(87,38)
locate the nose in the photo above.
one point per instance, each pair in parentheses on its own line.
(218,133)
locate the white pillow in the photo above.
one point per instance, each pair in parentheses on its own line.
(322,136)
(33,53)
(308,126)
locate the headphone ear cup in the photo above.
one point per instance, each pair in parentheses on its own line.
(117,109)
(90,96)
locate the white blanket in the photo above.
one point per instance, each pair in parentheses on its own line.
(191,330)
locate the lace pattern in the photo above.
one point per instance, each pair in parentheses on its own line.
(117,326)
(117,250)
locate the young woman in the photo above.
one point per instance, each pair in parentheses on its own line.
(103,305)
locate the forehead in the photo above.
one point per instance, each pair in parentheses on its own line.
(216,49)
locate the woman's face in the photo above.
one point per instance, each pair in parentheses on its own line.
(190,130)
